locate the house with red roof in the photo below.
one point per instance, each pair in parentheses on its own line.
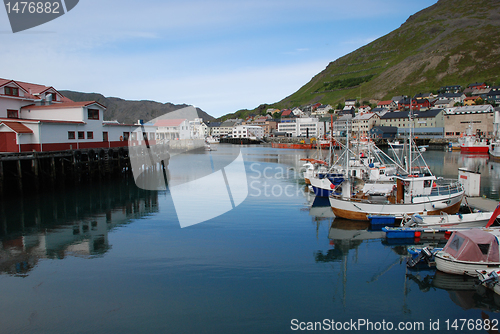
(388,104)
(39,118)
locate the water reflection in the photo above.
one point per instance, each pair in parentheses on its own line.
(69,223)
(462,290)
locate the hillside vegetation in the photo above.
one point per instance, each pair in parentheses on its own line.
(449,43)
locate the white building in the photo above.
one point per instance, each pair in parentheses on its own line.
(38,118)
(322,110)
(173,129)
(248,131)
(199,130)
(301,127)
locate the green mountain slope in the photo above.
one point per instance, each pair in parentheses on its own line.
(453,42)
(129,112)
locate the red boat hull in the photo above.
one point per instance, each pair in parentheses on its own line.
(474,149)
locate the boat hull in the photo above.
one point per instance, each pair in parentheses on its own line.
(482,149)
(360,210)
(448,264)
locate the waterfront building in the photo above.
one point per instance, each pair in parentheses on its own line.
(363,122)
(301,127)
(342,125)
(248,131)
(173,129)
(226,128)
(383,132)
(480,117)
(426,123)
(39,118)
(268,124)
(199,129)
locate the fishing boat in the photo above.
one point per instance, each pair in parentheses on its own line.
(415,190)
(470,143)
(470,251)
(395,145)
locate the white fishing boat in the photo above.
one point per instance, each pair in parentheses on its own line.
(444,220)
(395,145)
(470,251)
(416,190)
(212,140)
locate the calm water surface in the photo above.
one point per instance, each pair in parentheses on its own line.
(112,258)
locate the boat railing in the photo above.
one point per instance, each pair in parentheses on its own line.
(447,187)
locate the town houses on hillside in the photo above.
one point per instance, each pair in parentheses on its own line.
(443,115)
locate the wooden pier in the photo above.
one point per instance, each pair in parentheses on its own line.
(31,171)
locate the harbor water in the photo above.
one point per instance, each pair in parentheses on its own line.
(112,258)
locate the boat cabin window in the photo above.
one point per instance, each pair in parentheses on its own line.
(484,248)
(382,172)
(427,183)
(456,243)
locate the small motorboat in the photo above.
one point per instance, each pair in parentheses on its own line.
(444,220)
(470,251)
(490,279)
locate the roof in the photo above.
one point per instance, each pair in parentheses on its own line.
(17,127)
(24,120)
(286,112)
(468,98)
(364,116)
(381,103)
(63,105)
(32,90)
(169,122)
(386,129)
(418,114)
(472,109)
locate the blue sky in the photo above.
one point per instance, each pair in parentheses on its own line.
(221,56)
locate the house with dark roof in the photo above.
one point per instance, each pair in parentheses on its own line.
(383,132)
(455,97)
(450,89)
(494,95)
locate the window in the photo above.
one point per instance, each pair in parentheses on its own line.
(12,114)
(81,135)
(71,134)
(12,91)
(90,135)
(126,135)
(105,136)
(93,113)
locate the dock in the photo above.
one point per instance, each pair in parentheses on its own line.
(33,171)
(480,203)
